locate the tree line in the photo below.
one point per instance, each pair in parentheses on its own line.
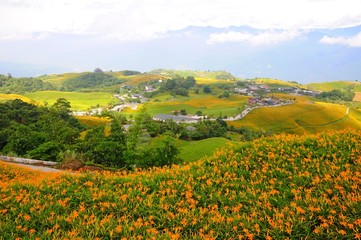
(8,84)
(337,95)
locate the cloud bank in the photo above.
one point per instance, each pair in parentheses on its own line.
(263,38)
(354,41)
(139,20)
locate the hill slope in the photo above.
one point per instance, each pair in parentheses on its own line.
(276,188)
(300,118)
(340,85)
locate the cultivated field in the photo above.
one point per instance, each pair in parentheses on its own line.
(78,101)
(209,105)
(299,118)
(328,86)
(59,79)
(357,97)
(6,97)
(91,121)
(287,186)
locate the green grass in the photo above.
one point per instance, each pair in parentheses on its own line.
(78,101)
(195,150)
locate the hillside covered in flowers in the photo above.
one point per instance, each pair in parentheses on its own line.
(286,186)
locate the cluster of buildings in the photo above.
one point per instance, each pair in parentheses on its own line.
(256,89)
(269,101)
(178,118)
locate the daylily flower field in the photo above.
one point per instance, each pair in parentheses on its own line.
(287,186)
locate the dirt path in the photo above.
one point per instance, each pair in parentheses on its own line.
(34,167)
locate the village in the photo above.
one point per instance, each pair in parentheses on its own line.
(260,96)
(251,89)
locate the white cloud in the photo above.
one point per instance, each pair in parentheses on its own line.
(354,41)
(142,19)
(263,38)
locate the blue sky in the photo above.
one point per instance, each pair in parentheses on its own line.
(298,40)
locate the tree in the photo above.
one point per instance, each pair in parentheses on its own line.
(62,104)
(22,139)
(162,151)
(199,113)
(183,112)
(98,70)
(46,151)
(207,89)
(117,132)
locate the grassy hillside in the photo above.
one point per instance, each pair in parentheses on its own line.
(341,85)
(219,75)
(91,121)
(6,97)
(208,104)
(194,150)
(274,82)
(59,79)
(357,97)
(143,78)
(299,118)
(78,101)
(282,187)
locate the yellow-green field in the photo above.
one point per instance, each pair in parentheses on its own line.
(357,97)
(6,97)
(204,80)
(91,121)
(59,79)
(328,86)
(299,118)
(135,80)
(271,82)
(208,104)
(78,101)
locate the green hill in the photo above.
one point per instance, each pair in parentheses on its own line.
(302,187)
(58,79)
(95,80)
